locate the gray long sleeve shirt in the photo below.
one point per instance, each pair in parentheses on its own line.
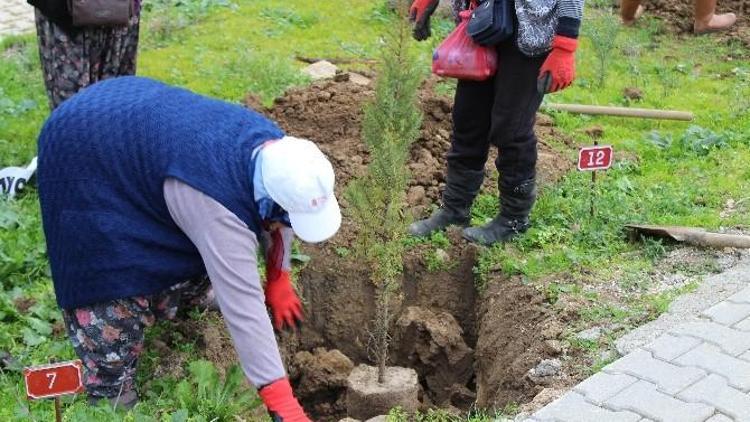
(229,250)
(539,21)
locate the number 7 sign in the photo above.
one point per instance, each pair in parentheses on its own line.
(53,380)
(595,158)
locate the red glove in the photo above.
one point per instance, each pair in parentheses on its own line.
(560,65)
(286,307)
(420,13)
(281,403)
(281,298)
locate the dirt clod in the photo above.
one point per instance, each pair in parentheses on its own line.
(633,93)
(23,304)
(433,344)
(594,132)
(321,378)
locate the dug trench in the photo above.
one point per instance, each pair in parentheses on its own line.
(468,345)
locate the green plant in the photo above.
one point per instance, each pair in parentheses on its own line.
(165,18)
(205,394)
(391,123)
(633,55)
(602,27)
(654,249)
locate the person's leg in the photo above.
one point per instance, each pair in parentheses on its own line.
(181,297)
(630,11)
(466,157)
(108,338)
(61,53)
(707,21)
(512,131)
(113,52)
(74,60)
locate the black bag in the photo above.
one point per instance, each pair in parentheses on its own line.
(492,22)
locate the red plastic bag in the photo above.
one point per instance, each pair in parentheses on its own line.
(458,56)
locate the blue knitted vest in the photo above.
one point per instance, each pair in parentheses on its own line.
(104,155)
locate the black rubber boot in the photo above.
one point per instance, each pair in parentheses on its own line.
(461,187)
(513,219)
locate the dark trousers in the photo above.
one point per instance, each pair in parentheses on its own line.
(500,111)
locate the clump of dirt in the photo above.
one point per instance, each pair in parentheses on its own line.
(679,16)
(23,304)
(433,344)
(321,378)
(514,326)
(330,114)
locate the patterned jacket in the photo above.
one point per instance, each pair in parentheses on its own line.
(539,21)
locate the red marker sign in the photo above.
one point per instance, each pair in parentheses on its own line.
(54,380)
(595,158)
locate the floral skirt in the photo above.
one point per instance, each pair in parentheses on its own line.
(77,59)
(108,337)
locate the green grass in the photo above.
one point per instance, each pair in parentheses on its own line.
(227,49)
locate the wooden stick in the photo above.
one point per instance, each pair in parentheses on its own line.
(335,60)
(642,113)
(58,410)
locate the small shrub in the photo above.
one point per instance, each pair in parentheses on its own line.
(378,199)
(205,394)
(602,28)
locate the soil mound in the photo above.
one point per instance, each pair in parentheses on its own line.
(330,114)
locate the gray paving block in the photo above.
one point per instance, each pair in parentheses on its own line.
(686,308)
(728,313)
(720,418)
(714,391)
(743,296)
(670,378)
(731,341)
(573,407)
(743,325)
(602,386)
(668,347)
(712,360)
(644,399)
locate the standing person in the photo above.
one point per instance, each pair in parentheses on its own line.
(501,111)
(146,188)
(75,57)
(705,20)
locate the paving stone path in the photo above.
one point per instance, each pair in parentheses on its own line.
(16,17)
(697,370)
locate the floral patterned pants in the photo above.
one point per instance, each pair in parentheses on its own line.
(108,337)
(72,60)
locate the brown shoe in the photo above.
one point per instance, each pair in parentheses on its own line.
(715,23)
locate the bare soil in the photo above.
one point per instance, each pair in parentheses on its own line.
(679,17)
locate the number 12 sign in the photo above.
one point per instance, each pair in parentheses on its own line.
(53,380)
(595,158)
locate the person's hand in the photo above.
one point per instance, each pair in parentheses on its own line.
(281,403)
(420,13)
(286,308)
(559,69)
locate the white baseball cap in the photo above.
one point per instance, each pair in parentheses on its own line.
(299,178)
